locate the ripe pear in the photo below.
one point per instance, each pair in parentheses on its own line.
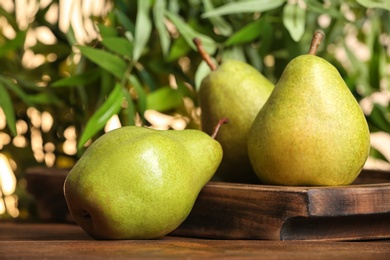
(139,183)
(235,90)
(311,131)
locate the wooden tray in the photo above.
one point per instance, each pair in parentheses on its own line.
(360,211)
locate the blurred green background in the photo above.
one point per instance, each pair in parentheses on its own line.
(72,69)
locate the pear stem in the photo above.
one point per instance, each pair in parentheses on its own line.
(315,42)
(221,121)
(204,54)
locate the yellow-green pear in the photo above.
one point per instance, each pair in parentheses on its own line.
(311,130)
(139,183)
(235,90)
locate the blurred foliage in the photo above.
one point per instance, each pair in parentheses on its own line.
(145,44)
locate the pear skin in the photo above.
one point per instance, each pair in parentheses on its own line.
(237,91)
(311,131)
(139,183)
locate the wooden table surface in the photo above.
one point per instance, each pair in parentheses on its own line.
(68,241)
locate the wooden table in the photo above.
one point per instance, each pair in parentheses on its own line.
(59,241)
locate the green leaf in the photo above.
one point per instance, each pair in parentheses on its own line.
(107,61)
(105,87)
(165,39)
(266,41)
(141,99)
(124,21)
(380,118)
(8,109)
(146,77)
(130,108)
(383,4)
(44,98)
(78,80)
(377,51)
(14,44)
(248,6)
(143,28)
(223,27)
(107,31)
(185,91)
(179,49)
(15,88)
(321,8)
(118,45)
(189,34)
(99,119)
(377,154)
(60,49)
(163,99)
(174,6)
(254,57)
(246,34)
(374,69)
(71,37)
(202,71)
(294,19)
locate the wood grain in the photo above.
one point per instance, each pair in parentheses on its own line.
(238,211)
(61,241)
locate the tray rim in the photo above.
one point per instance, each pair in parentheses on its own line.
(306,188)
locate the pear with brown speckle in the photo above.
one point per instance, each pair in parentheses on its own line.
(311,131)
(235,90)
(140,183)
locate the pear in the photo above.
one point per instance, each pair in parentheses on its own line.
(139,183)
(235,90)
(311,131)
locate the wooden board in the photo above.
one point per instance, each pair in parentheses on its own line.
(238,211)
(58,241)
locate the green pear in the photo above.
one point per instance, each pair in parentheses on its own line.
(311,131)
(235,90)
(139,183)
